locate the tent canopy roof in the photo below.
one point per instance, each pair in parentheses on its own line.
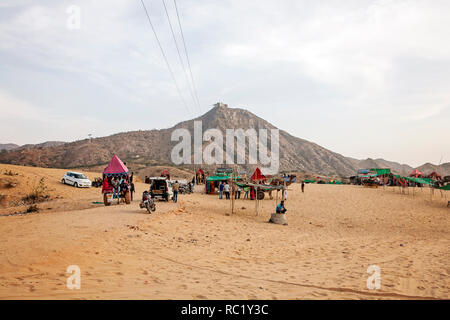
(258,176)
(416,173)
(221,178)
(115,166)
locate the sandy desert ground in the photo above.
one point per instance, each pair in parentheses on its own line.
(194,250)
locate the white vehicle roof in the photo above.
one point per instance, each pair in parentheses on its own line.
(75,172)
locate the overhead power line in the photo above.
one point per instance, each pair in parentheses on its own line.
(186,52)
(165,57)
(191,90)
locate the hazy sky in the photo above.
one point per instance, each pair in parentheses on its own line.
(363,78)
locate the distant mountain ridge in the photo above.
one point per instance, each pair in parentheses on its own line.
(153,147)
(8,146)
(13,146)
(381,163)
(442,169)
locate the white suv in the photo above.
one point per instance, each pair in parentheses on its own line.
(76,179)
(160,188)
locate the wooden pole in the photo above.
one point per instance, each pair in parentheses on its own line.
(256,200)
(233,193)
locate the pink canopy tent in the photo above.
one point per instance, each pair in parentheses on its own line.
(416,173)
(115,166)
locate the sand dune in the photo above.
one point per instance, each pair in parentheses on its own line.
(193,250)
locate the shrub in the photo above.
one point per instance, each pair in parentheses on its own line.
(10,173)
(3,200)
(10,185)
(38,194)
(32,208)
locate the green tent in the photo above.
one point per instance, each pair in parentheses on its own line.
(369,176)
(309,181)
(380,172)
(447,187)
(420,180)
(221,178)
(417,180)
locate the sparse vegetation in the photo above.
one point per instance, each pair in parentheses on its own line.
(10,185)
(10,173)
(38,194)
(3,200)
(32,208)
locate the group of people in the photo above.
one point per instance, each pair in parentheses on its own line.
(118,183)
(249,192)
(225,188)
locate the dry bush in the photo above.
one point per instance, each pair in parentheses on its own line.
(10,185)
(32,208)
(10,173)
(38,194)
(3,200)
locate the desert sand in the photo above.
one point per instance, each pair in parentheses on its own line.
(195,249)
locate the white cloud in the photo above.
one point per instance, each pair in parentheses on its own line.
(337,62)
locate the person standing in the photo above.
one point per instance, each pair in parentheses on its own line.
(252,193)
(285,194)
(246,192)
(226,188)
(238,193)
(303,186)
(221,187)
(175,188)
(116,187)
(131,188)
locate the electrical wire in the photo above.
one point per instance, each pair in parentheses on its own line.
(165,57)
(187,56)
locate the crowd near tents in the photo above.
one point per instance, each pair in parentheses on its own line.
(260,183)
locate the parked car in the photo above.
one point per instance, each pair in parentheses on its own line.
(76,179)
(160,188)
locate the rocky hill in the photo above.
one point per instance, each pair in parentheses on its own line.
(153,147)
(8,146)
(443,169)
(13,146)
(395,167)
